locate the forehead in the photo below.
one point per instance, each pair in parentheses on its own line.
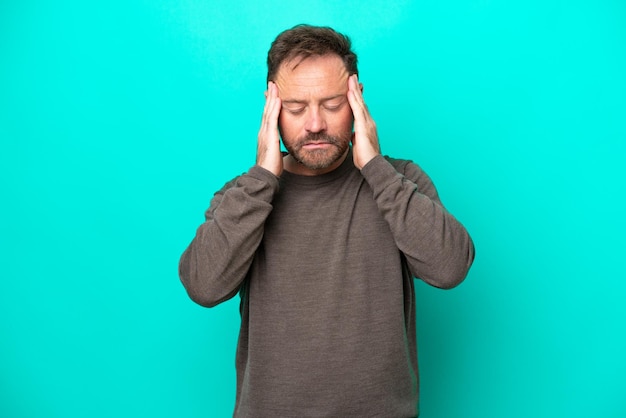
(308,78)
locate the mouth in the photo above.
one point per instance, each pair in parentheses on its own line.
(317,145)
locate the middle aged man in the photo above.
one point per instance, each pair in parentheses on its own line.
(322,243)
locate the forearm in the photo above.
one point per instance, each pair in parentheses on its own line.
(437,247)
(216,262)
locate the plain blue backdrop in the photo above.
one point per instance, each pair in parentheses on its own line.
(119,119)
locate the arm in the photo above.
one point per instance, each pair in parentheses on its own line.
(437,247)
(216,262)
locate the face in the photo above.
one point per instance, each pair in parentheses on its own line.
(316,120)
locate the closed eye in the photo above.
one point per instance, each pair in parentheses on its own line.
(294,110)
(333,107)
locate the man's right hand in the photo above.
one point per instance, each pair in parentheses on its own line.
(268,153)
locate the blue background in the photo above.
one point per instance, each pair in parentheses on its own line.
(119,119)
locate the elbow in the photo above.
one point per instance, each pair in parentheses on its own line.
(196,293)
(203,294)
(197,286)
(450,280)
(452,270)
(457,268)
(204,299)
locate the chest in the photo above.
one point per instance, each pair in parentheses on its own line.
(341,217)
(327,253)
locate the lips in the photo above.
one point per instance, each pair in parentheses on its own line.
(318,140)
(316,144)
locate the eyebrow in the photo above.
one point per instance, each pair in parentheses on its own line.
(325,99)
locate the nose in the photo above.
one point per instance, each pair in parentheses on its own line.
(315,121)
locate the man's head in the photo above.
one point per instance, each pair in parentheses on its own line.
(310,66)
(304,41)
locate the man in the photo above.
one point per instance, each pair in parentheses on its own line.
(322,244)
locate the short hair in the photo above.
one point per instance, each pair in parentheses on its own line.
(304,41)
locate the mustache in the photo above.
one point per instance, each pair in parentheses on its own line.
(319,137)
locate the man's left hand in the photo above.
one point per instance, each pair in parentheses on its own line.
(365,144)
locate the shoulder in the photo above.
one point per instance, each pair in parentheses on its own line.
(413,172)
(256,177)
(404,166)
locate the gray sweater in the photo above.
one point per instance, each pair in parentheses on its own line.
(324,266)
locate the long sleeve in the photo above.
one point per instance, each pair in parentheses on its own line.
(437,247)
(216,262)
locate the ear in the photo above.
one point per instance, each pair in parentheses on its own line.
(361,87)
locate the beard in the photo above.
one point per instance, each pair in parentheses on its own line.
(317,159)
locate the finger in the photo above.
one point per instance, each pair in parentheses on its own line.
(270,104)
(355,88)
(268,134)
(359,108)
(273,107)
(352,97)
(266,106)
(268,94)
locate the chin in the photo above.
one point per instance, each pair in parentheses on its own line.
(318,160)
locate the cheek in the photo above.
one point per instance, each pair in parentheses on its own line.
(287,126)
(344,120)
(282,119)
